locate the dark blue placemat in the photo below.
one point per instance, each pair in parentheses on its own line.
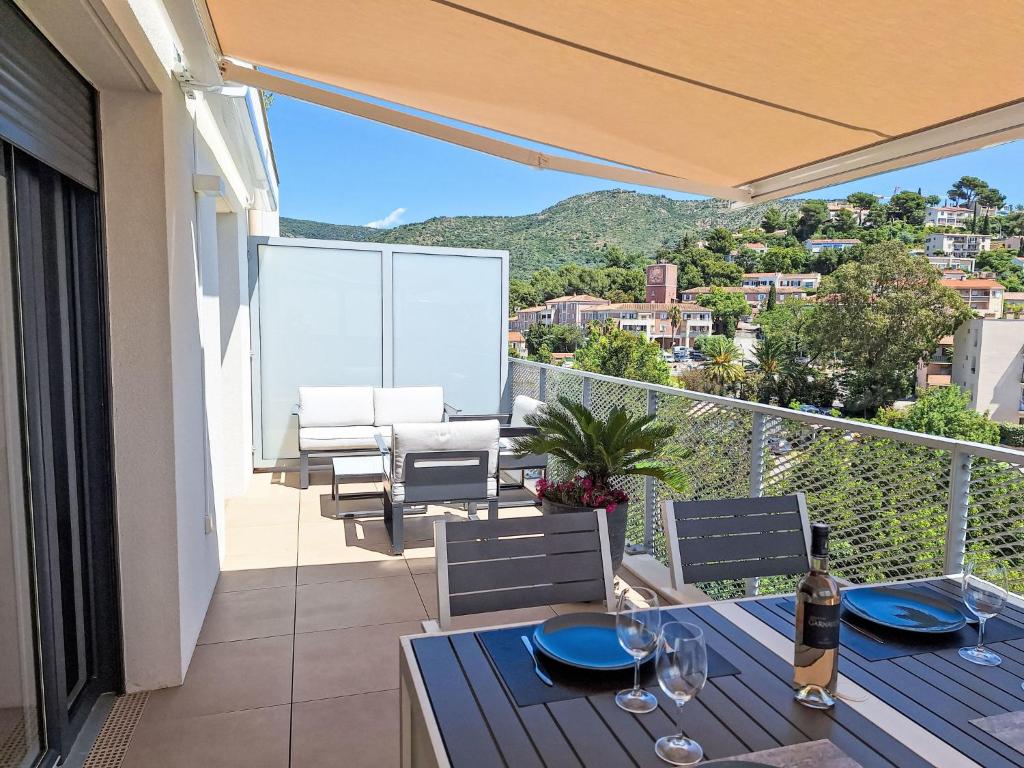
(515,667)
(897,643)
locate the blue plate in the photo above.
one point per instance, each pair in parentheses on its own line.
(903,609)
(584,640)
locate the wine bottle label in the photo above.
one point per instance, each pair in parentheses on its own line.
(821,626)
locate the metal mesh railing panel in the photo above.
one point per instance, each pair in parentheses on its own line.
(564,383)
(886,502)
(995,517)
(525,380)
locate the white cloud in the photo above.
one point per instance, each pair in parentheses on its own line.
(392,219)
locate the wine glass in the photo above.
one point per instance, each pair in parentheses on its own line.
(984,588)
(637,625)
(682,666)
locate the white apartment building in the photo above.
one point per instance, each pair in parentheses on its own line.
(651,320)
(957,244)
(819,244)
(983,295)
(807,280)
(946,261)
(989,365)
(947,216)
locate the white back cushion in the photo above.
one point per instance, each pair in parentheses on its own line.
(524,406)
(408,405)
(444,436)
(335,406)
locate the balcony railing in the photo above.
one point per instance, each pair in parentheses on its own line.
(902,505)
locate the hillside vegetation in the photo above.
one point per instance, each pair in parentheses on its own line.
(575,230)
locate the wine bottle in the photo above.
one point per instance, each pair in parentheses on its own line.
(816,652)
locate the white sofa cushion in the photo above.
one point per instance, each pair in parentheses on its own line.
(355,438)
(408,405)
(398,491)
(443,436)
(524,406)
(335,406)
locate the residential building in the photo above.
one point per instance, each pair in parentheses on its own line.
(947,216)
(565,310)
(662,283)
(517,341)
(524,318)
(983,295)
(759,248)
(652,320)
(835,206)
(937,369)
(755,296)
(989,364)
(817,245)
(808,280)
(954,274)
(1013,302)
(1013,242)
(945,261)
(956,244)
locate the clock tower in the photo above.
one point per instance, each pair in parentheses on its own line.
(662,285)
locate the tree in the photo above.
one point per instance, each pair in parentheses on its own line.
(726,310)
(944,411)
(813,214)
(879,317)
(772,298)
(772,364)
(773,220)
(907,206)
(785,323)
(521,294)
(616,257)
(723,366)
(845,224)
(791,259)
(862,201)
(557,338)
(965,190)
(699,267)
(615,352)
(990,197)
(675,316)
(1000,261)
(721,241)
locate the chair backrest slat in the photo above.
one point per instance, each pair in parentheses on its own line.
(491,565)
(737,538)
(443,475)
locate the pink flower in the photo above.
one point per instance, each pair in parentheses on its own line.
(609,508)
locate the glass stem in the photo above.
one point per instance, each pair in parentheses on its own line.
(981,633)
(679,714)
(636,676)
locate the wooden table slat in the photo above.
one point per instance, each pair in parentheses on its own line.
(725,710)
(628,729)
(590,738)
(548,737)
(696,721)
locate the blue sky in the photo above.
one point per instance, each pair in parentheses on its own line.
(347,170)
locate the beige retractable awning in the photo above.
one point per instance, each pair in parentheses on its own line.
(745,99)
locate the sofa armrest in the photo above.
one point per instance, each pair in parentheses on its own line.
(501,418)
(450,411)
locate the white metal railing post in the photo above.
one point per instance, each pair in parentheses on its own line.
(956,516)
(757,447)
(542,385)
(650,486)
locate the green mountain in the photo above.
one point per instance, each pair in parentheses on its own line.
(573,230)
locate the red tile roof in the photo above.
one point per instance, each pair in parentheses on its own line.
(972,282)
(583,297)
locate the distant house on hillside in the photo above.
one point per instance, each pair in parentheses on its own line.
(524,318)
(808,280)
(517,341)
(651,320)
(946,261)
(957,243)
(983,295)
(947,216)
(756,296)
(817,245)
(565,310)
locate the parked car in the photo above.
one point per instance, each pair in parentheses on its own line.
(806,408)
(681,354)
(668,357)
(779,446)
(698,356)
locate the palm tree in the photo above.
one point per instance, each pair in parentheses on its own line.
(723,365)
(773,363)
(675,316)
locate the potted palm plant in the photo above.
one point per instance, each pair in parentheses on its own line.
(591,453)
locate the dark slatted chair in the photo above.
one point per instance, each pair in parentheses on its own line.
(524,562)
(728,539)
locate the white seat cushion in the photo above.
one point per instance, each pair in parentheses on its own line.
(341,438)
(408,405)
(398,491)
(444,436)
(524,406)
(335,406)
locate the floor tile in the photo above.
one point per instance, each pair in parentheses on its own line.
(355,731)
(255,578)
(253,738)
(421,561)
(341,662)
(244,512)
(262,539)
(374,569)
(228,677)
(342,604)
(249,614)
(426,584)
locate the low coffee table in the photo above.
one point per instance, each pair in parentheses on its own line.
(356,469)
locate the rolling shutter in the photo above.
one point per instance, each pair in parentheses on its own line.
(46,108)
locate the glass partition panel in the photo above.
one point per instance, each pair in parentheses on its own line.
(448,326)
(320,323)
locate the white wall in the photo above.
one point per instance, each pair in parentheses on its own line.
(174,363)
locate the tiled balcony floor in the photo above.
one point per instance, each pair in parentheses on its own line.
(297,663)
